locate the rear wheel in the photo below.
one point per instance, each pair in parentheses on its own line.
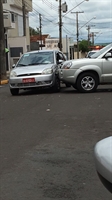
(14,92)
(87,82)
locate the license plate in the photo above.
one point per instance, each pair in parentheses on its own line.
(28,80)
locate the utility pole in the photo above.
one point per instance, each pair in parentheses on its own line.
(24,17)
(2,46)
(40,30)
(62,8)
(88,29)
(67,47)
(93,34)
(77,34)
(60,27)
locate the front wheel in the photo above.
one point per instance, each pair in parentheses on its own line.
(14,92)
(67,85)
(87,82)
(56,86)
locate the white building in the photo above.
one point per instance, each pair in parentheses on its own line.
(67,45)
(51,43)
(13,24)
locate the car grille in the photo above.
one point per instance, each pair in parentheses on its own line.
(39,83)
(26,84)
(32,74)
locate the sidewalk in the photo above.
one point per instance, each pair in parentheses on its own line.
(5,81)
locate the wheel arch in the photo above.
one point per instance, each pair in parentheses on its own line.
(89,71)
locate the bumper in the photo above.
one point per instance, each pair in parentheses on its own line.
(40,81)
(67,76)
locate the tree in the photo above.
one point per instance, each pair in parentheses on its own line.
(34,31)
(83,46)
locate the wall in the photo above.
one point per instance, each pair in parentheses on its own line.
(15,6)
(16,42)
(81,55)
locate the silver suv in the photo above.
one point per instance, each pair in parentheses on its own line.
(87,73)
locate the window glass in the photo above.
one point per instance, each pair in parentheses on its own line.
(36,58)
(101,51)
(4,1)
(13,17)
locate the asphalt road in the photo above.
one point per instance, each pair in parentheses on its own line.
(47,144)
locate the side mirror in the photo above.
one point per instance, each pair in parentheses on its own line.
(13,66)
(108,55)
(103,161)
(65,57)
(60,61)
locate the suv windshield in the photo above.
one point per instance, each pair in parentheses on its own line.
(101,51)
(36,58)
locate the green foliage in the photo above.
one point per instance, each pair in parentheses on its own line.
(83,46)
(34,31)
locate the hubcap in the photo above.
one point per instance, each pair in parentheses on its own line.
(87,83)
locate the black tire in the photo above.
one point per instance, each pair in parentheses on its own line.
(87,82)
(14,92)
(56,86)
(75,87)
(67,85)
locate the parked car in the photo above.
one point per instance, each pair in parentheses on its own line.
(90,53)
(87,73)
(103,161)
(36,69)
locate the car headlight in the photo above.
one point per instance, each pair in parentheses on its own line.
(47,71)
(67,65)
(13,74)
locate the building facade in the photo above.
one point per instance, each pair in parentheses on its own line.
(67,45)
(15,40)
(37,42)
(51,43)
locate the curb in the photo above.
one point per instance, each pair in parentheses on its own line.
(4,82)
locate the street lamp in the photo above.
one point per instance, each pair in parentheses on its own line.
(88,28)
(60,21)
(77,33)
(77,26)
(87,22)
(75,7)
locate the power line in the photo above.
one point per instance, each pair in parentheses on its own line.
(77,28)
(50,5)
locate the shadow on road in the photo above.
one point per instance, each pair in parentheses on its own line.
(66,90)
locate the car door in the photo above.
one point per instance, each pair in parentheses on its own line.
(60,57)
(107,69)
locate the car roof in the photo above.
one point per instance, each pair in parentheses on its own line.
(94,50)
(36,51)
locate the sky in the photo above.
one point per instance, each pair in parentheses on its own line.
(97,14)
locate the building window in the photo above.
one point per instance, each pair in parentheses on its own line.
(20,25)
(4,1)
(12,17)
(55,45)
